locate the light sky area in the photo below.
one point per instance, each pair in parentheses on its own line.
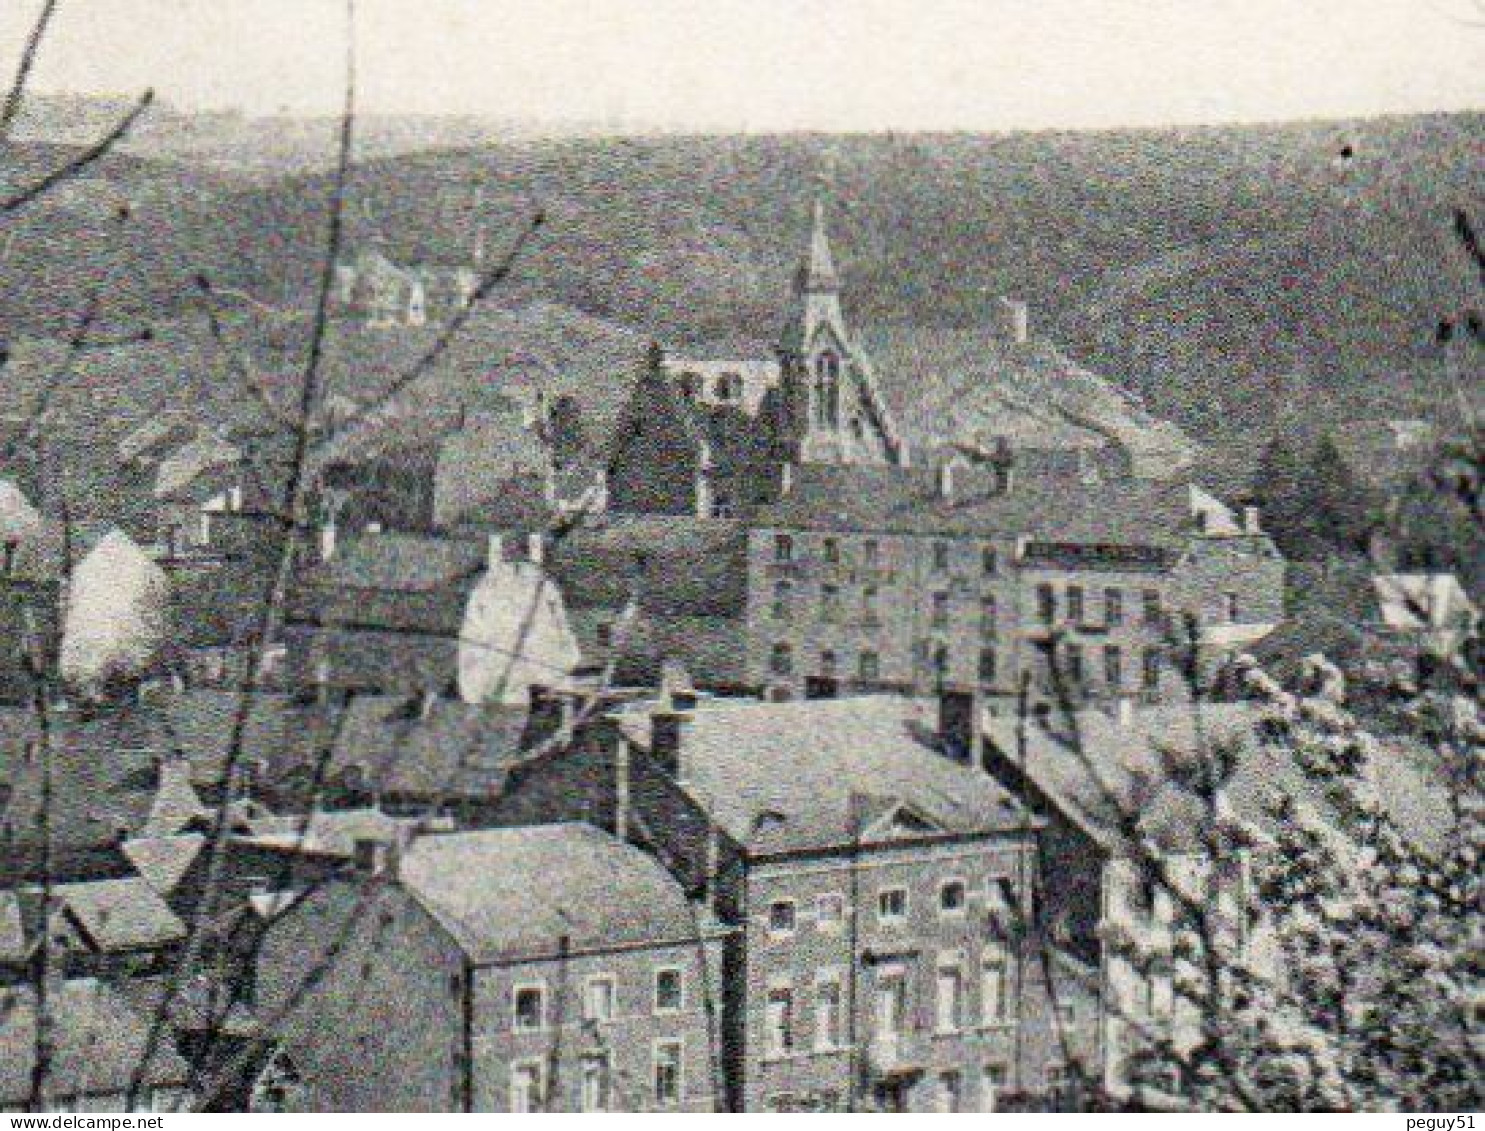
(780,64)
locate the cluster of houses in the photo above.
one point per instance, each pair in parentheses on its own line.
(723,774)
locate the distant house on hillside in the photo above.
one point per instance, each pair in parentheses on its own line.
(385,294)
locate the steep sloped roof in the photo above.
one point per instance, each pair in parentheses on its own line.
(1113,771)
(401,562)
(120,914)
(162,861)
(99,1042)
(594,891)
(801,775)
(435,748)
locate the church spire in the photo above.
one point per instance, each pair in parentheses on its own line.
(819,268)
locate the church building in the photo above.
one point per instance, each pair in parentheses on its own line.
(716,439)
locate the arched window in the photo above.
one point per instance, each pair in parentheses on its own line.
(827,386)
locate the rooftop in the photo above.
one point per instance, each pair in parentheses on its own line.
(594,891)
(120,914)
(99,1041)
(826,773)
(1053,508)
(1143,768)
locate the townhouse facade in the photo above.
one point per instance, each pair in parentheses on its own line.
(461,987)
(913,580)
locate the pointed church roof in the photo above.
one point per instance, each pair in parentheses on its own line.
(818,272)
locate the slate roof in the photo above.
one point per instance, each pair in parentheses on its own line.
(815,774)
(331,832)
(477,464)
(1049,508)
(680,567)
(99,1040)
(398,562)
(120,914)
(163,861)
(444,748)
(103,776)
(593,889)
(1128,767)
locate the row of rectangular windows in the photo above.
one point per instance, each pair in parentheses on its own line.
(529,1081)
(1070,664)
(784,550)
(891,1016)
(891,905)
(599,995)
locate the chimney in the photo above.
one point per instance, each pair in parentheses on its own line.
(1015,321)
(622,757)
(667,738)
(494,551)
(959,724)
(536,548)
(1251,523)
(1004,461)
(946,480)
(370,856)
(327,540)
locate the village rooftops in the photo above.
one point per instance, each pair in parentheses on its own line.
(1060,509)
(825,774)
(99,1042)
(508,895)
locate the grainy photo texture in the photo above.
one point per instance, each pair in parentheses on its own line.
(864,556)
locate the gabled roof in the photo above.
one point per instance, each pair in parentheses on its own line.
(1051,508)
(518,892)
(163,861)
(678,566)
(821,774)
(331,832)
(477,463)
(98,1043)
(434,748)
(121,914)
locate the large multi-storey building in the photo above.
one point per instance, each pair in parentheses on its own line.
(881,890)
(872,577)
(446,980)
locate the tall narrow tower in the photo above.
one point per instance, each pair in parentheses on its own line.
(831,411)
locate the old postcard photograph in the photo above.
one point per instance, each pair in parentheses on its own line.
(742,556)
